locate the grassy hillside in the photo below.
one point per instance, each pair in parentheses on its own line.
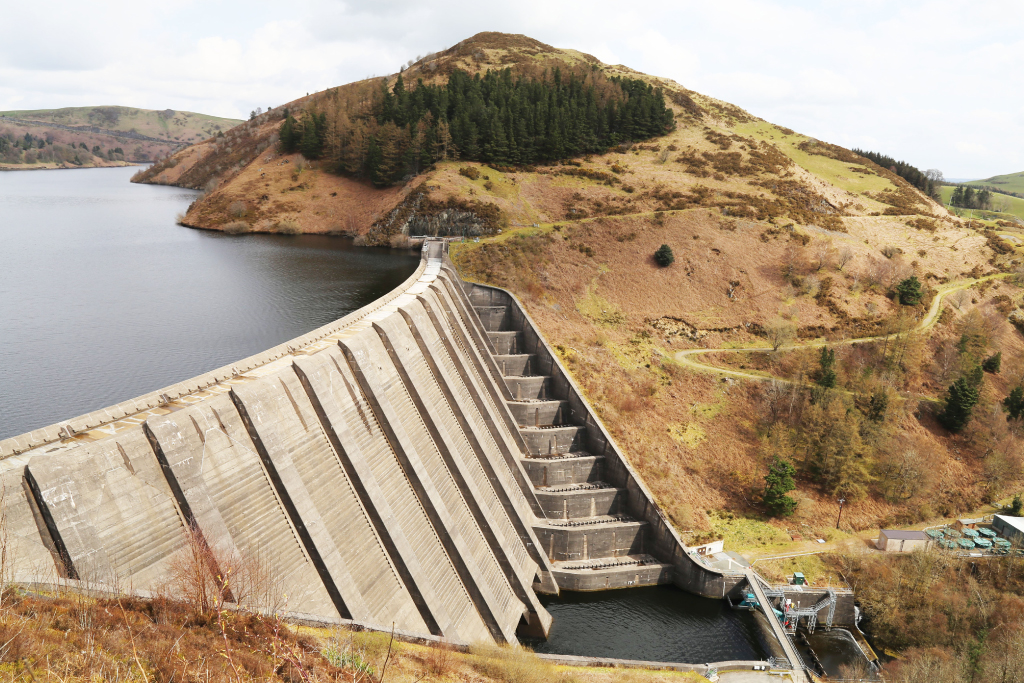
(1005,207)
(178,126)
(773,232)
(1010,182)
(99,136)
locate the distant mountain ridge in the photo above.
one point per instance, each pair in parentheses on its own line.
(99,136)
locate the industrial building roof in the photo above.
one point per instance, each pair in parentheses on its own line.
(905,535)
(1016,522)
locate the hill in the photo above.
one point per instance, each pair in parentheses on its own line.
(99,136)
(570,185)
(1010,183)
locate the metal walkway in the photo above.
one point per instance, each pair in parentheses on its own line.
(758,586)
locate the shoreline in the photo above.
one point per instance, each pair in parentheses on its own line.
(69,168)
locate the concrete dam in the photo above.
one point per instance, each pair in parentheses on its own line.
(424,461)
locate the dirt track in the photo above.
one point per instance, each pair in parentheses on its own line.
(686,357)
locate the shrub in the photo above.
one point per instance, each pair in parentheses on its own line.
(238,209)
(513,665)
(288,227)
(664,256)
(909,291)
(1017,506)
(236,228)
(439,660)
(471,172)
(993,363)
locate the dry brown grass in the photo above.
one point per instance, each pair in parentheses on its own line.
(696,439)
(64,636)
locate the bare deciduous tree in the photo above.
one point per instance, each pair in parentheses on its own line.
(959,298)
(824,252)
(843,257)
(779,332)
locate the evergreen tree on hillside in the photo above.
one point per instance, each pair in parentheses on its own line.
(961,398)
(958,196)
(1014,403)
(827,361)
(664,256)
(968,197)
(993,363)
(496,118)
(777,483)
(290,135)
(909,291)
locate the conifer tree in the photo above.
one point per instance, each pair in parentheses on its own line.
(993,363)
(777,483)
(310,143)
(878,405)
(961,398)
(664,256)
(827,361)
(909,291)
(1014,403)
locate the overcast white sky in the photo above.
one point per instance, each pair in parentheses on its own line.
(936,83)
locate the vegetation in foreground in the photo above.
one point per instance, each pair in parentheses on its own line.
(65,636)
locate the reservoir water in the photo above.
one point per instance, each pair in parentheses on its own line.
(104,298)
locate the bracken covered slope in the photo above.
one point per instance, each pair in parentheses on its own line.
(99,136)
(774,233)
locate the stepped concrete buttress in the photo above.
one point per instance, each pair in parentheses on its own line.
(424,462)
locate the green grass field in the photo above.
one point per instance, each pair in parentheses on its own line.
(1011,182)
(1013,205)
(177,126)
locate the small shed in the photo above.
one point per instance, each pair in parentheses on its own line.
(1010,528)
(966,523)
(897,540)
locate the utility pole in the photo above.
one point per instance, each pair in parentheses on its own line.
(841,501)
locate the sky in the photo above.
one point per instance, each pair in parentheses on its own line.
(938,84)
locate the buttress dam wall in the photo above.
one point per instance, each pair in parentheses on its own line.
(424,462)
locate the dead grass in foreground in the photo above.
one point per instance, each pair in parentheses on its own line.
(68,637)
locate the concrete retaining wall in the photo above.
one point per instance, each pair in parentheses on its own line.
(587,433)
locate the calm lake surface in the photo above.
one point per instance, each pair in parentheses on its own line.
(655,624)
(103,298)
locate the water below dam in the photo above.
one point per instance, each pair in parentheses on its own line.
(104,298)
(657,624)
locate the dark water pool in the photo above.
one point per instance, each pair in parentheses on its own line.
(657,623)
(103,298)
(839,654)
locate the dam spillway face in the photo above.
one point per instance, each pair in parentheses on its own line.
(426,463)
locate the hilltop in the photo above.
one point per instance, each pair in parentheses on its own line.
(1010,183)
(99,136)
(777,238)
